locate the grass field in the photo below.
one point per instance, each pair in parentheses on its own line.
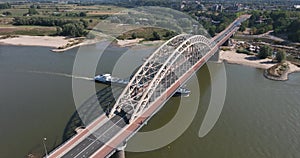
(27,30)
(95,15)
(49,9)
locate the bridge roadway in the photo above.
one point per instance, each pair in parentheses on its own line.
(104,135)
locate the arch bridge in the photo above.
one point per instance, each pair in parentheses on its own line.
(153,84)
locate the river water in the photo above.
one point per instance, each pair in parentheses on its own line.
(260,117)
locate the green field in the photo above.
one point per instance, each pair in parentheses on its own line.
(93,14)
(27,30)
(93,17)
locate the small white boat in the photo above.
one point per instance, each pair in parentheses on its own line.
(108,79)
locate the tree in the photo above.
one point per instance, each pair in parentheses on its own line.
(253,30)
(7,13)
(133,36)
(264,52)
(212,30)
(84,23)
(170,34)
(82,14)
(5,6)
(242,28)
(58,30)
(32,11)
(155,36)
(73,30)
(280,55)
(294,31)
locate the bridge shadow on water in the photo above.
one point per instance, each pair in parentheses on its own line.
(91,109)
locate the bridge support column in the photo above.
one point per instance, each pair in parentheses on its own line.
(228,42)
(215,57)
(120,152)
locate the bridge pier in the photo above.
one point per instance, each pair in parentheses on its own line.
(120,154)
(215,57)
(228,42)
(120,151)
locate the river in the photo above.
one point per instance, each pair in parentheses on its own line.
(260,117)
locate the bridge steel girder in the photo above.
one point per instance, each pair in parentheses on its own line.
(149,84)
(186,46)
(143,75)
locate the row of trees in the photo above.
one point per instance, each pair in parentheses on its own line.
(45,21)
(72,28)
(7,13)
(5,6)
(282,22)
(294,31)
(266,51)
(41,21)
(134,3)
(81,14)
(32,11)
(155,36)
(215,23)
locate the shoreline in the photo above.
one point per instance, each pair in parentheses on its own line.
(83,43)
(57,43)
(46,41)
(137,42)
(232,57)
(53,42)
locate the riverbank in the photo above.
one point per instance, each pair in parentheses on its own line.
(57,43)
(61,44)
(250,60)
(46,41)
(138,41)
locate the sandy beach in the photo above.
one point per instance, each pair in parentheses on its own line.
(127,43)
(250,60)
(46,41)
(54,42)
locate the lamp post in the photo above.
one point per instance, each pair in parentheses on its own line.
(45,148)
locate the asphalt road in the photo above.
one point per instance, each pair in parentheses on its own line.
(97,139)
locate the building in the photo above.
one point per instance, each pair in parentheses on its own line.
(297,6)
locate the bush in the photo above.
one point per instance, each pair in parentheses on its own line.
(32,11)
(7,13)
(156,36)
(280,56)
(5,6)
(82,14)
(243,51)
(73,30)
(264,52)
(133,36)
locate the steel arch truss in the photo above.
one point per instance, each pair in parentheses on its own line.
(159,72)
